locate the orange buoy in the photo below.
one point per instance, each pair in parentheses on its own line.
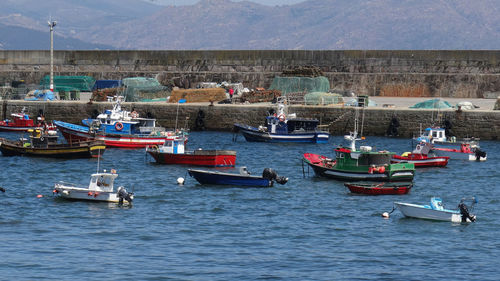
(39,196)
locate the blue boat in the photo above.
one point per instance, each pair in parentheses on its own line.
(119,128)
(242,179)
(282,127)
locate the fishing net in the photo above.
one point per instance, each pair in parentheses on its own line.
(300,84)
(69,83)
(143,89)
(319,98)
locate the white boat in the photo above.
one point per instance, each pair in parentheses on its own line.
(436,211)
(101,188)
(444,146)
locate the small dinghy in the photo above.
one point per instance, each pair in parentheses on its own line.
(384,188)
(100,189)
(436,211)
(244,178)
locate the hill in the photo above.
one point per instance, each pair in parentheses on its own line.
(313,24)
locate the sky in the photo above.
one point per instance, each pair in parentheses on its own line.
(190,2)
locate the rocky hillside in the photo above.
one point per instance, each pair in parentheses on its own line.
(313,24)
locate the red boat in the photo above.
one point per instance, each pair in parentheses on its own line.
(21,122)
(384,188)
(421,157)
(172,152)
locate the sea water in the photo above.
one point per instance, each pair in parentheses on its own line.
(308,229)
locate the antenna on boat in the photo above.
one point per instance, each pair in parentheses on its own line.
(98,158)
(177,114)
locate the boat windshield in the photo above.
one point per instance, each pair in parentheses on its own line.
(374,159)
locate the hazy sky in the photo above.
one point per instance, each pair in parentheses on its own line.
(190,2)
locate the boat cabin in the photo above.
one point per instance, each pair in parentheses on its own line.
(432,135)
(277,125)
(40,138)
(102,181)
(364,157)
(173,146)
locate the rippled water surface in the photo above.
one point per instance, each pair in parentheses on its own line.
(309,229)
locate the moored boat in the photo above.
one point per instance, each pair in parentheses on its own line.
(443,145)
(100,188)
(119,128)
(421,157)
(436,211)
(243,178)
(22,122)
(124,139)
(45,144)
(384,188)
(283,127)
(173,152)
(360,165)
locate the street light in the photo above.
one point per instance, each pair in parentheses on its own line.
(51,25)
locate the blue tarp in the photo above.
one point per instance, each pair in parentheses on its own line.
(104,84)
(42,95)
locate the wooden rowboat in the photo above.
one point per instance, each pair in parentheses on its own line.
(384,188)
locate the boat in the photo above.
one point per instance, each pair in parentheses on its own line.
(283,127)
(360,165)
(436,211)
(173,152)
(421,157)
(384,188)
(119,128)
(43,143)
(442,145)
(22,122)
(243,178)
(100,188)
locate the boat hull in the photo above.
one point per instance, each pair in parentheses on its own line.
(421,160)
(66,151)
(380,188)
(75,133)
(324,169)
(253,134)
(75,193)
(219,178)
(15,128)
(209,158)
(425,212)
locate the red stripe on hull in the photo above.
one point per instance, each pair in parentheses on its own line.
(197,160)
(121,142)
(379,190)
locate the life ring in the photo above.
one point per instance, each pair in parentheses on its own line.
(119,126)
(282,117)
(134,114)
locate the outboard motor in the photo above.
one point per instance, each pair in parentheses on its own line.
(271,175)
(479,153)
(124,195)
(464,212)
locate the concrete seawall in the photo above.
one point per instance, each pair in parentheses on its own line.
(484,124)
(461,74)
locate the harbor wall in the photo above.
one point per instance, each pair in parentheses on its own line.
(460,74)
(484,124)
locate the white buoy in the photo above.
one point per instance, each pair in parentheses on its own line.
(180,181)
(385,215)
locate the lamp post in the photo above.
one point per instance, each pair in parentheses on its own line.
(51,25)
